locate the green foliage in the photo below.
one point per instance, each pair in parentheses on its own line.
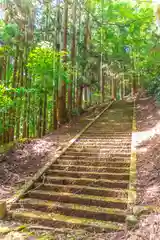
(9,32)
(43,63)
(5,99)
(154,88)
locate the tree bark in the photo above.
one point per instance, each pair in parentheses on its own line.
(62,93)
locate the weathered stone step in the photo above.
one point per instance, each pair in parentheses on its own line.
(93,162)
(75,210)
(90,168)
(104,157)
(106,202)
(118,148)
(123,129)
(104,135)
(112,130)
(102,144)
(62,221)
(109,135)
(104,121)
(110,140)
(83,189)
(87,181)
(118,153)
(96,175)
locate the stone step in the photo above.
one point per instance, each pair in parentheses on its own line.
(106,202)
(93,162)
(86,181)
(62,221)
(90,168)
(83,189)
(95,175)
(74,210)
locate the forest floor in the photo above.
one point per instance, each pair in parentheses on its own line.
(148,170)
(23,161)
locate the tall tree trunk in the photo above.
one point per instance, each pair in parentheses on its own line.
(57,66)
(40,117)
(101,57)
(113,89)
(72,59)
(18,107)
(12,110)
(102,87)
(24,134)
(62,93)
(134,85)
(45,113)
(80,98)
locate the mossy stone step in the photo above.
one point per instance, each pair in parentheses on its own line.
(101,144)
(104,132)
(98,156)
(62,221)
(87,181)
(66,197)
(75,210)
(98,162)
(78,189)
(104,138)
(96,175)
(90,168)
(99,149)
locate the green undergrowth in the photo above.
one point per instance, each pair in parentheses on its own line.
(153,89)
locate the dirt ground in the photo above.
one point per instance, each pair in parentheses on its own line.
(148,169)
(18,164)
(148,153)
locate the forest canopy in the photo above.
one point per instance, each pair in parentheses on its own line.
(59,57)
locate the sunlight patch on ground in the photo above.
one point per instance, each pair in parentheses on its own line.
(140,137)
(41,145)
(152,192)
(143,150)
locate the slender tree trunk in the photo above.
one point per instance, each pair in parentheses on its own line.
(12,110)
(45,113)
(24,134)
(113,89)
(80,98)
(134,85)
(72,59)
(5,115)
(102,87)
(62,94)
(18,107)
(40,117)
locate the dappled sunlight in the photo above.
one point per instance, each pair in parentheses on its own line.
(141,137)
(142,150)
(148,228)
(152,192)
(147,144)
